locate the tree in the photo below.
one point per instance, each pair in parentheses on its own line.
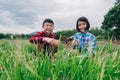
(117,2)
(22,35)
(2,36)
(111,23)
(8,35)
(65,33)
(112,18)
(96,31)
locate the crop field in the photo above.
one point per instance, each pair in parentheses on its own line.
(18,62)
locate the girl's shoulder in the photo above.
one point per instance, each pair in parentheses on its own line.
(90,35)
(78,33)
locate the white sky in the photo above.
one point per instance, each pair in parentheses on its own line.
(26,16)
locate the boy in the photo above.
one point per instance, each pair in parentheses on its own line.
(45,39)
(85,40)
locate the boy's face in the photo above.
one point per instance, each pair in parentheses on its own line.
(48,27)
(82,26)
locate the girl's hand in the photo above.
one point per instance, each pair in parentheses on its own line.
(74,43)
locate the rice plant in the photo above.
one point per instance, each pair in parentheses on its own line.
(18,62)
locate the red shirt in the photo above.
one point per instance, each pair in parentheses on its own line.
(38,37)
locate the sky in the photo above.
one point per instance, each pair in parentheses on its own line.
(26,16)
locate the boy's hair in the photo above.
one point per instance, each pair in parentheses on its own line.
(48,21)
(85,20)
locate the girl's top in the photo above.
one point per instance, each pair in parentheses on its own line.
(87,42)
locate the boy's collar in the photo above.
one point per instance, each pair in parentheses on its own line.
(46,33)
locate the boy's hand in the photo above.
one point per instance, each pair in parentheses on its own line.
(48,40)
(51,41)
(54,43)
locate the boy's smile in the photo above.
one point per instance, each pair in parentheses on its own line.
(48,27)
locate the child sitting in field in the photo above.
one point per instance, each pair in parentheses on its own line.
(45,39)
(83,39)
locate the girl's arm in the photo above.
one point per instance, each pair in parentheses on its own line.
(74,44)
(75,41)
(92,45)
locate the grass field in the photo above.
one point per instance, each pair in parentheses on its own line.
(17,62)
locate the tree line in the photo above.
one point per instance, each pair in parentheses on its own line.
(99,33)
(14,36)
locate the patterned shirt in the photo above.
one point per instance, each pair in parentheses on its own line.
(37,38)
(87,42)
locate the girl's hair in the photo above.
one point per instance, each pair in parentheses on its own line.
(48,21)
(85,20)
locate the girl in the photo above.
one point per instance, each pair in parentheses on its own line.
(83,39)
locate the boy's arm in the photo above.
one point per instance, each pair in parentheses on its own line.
(48,39)
(40,38)
(37,38)
(51,41)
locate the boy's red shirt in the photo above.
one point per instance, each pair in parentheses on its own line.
(38,37)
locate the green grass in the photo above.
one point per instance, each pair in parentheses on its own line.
(17,62)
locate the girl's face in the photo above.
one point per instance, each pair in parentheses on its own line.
(48,27)
(82,26)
